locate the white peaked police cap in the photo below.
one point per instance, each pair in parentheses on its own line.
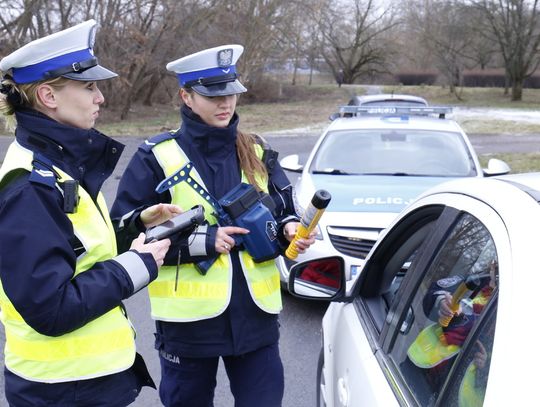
(68,53)
(211,72)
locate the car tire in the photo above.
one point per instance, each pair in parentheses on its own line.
(320,379)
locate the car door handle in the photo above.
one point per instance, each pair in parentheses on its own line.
(343,392)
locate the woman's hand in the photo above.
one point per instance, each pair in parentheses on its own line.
(159,213)
(224,240)
(289,231)
(158,248)
(445,308)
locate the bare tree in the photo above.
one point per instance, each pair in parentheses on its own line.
(483,50)
(445,29)
(136,37)
(146,37)
(515,25)
(21,22)
(309,39)
(257,25)
(299,36)
(292,37)
(354,37)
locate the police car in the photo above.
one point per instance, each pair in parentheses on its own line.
(374,160)
(387,342)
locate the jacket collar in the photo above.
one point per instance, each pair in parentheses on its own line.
(85,154)
(209,139)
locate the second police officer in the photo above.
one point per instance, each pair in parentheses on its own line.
(231,311)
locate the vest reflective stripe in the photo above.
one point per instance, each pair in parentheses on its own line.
(87,346)
(200,297)
(430,348)
(264,283)
(266,287)
(190,289)
(101,347)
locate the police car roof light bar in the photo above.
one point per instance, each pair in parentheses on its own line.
(348,111)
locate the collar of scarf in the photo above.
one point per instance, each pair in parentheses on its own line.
(219,141)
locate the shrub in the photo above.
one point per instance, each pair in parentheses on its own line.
(484,78)
(416,78)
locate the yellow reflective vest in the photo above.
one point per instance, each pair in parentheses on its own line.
(103,346)
(430,348)
(195,297)
(471,395)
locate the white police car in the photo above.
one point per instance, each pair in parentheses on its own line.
(469,242)
(374,161)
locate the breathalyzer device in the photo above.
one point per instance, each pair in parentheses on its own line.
(178,224)
(309,220)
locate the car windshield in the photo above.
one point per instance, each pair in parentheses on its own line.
(396,152)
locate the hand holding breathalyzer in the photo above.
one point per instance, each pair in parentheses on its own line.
(309,220)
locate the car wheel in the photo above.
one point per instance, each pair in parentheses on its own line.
(320,380)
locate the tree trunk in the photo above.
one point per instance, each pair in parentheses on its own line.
(151,87)
(517,89)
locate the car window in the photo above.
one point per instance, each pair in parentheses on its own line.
(446,308)
(395,257)
(406,152)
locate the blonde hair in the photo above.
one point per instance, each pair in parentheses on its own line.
(250,162)
(16,96)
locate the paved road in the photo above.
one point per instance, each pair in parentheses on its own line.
(300,320)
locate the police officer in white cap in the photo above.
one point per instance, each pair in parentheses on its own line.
(229,309)
(68,339)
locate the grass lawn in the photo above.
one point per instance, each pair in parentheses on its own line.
(304,106)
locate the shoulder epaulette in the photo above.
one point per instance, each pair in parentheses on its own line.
(153,141)
(270,156)
(43,171)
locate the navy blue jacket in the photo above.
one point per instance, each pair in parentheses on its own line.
(243,327)
(39,249)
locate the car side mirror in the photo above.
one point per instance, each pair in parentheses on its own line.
(291,163)
(496,167)
(318,279)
